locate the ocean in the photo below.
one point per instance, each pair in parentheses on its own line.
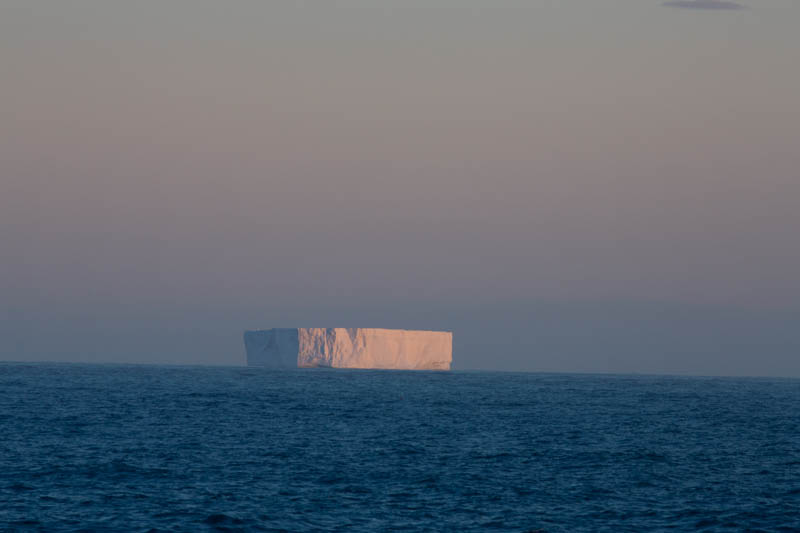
(160,448)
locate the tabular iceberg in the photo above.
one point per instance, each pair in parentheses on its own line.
(349,348)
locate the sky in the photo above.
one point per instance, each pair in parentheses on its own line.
(567,185)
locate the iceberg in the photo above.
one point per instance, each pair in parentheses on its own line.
(349,348)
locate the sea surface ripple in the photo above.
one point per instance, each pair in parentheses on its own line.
(149,448)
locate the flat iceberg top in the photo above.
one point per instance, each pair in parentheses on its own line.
(349,348)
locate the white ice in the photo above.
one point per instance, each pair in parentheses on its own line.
(349,348)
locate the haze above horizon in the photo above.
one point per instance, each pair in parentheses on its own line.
(567,186)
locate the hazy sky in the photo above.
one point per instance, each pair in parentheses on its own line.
(599,186)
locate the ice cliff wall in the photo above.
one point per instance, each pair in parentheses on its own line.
(349,348)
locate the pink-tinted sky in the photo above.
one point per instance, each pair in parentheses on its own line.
(584,186)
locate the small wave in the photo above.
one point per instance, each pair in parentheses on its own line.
(19,487)
(219,519)
(26,523)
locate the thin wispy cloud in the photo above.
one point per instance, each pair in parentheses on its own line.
(703,4)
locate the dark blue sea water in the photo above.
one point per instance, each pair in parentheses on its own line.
(147,448)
